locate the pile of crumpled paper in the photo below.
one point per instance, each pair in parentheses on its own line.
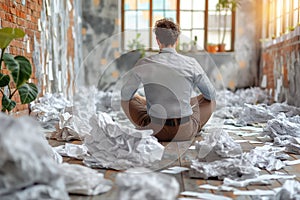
(253,95)
(30,169)
(26,167)
(72,122)
(141,183)
(284,131)
(114,146)
(219,156)
(217,144)
(47,109)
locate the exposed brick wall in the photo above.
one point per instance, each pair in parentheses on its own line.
(52,43)
(281,67)
(24,15)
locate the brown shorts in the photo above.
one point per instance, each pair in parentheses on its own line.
(173,129)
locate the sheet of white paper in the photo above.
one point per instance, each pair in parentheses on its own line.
(50,72)
(254,192)
(179,169)
(28,46)
(230,127)
(291,162)
(263,83)
(167,171)
(219,188)
(271,148)
(250,141)
(204,195)
(72,150)
(252,128)
(263,179)
(174,170)
(244,134)
(239,192)
(254,142)
(241,141)
(192,147)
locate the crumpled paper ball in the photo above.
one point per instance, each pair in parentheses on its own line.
(141,183)
(27,167)
(112,145)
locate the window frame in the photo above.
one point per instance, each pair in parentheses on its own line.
(286,17)
(206,12)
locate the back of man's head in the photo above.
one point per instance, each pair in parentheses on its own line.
(166,31)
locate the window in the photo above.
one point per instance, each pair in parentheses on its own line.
(196,18)
(283,16)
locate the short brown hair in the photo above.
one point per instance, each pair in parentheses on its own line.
(166,31)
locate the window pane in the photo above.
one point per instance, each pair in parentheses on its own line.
(212,4)
(171,4)
(198,20)
(144,38)
(296,4)
(130,20)
(186,36)
(295,18)
(130,4)
(287,6)
(185,40)
(279,8)
(200,38)
(213,37)
(199,4)
(158,4)
(129,36)
(214,19)
(143,4)
(154,43)
(186,19)
(171,15)
(157,15)
(228,40)
(278,26)
(143,19)
(186,5)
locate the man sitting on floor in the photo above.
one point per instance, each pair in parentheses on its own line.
(168,79)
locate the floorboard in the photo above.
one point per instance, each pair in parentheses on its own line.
(179,154)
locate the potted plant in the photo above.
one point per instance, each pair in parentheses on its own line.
(224,7)
(14,77)
(212,48)
(136,45)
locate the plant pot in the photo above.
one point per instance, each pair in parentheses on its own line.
(212,48)
(221,47)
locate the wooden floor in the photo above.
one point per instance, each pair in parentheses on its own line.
(178,154)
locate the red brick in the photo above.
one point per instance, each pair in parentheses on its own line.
(21,22)
(8,17)
(13,10)
(7,24)
(4,8)
(2,14)
(23,15)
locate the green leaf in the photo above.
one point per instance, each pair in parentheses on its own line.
(19,67)
(7,104)
(28,92)
(8,34)
(4,80)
